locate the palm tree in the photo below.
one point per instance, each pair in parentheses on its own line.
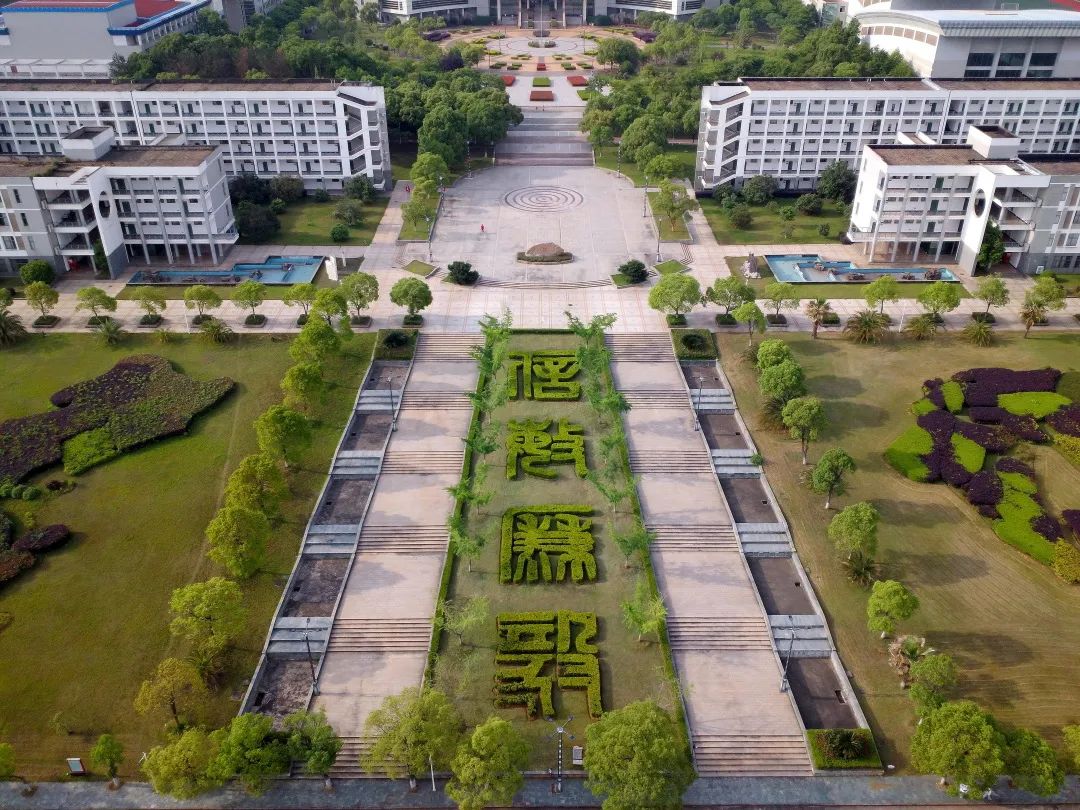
(110,332)
(979,333)
(906,651)
(865,326)
(817,310)
(216,331)
(921,327)
(11,328)
(861,568)
(1032,314)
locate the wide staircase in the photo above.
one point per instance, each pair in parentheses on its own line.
(380,635)
(751,755)
(546,138)
(641,347)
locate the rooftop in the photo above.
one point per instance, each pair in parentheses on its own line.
(827,83)
(971,21)
(998,85)
(994,131)
(1054,164)
(121,156)
(912,155)
(96,85)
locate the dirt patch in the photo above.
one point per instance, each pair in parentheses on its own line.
(779,585)
(345,500)
(722,431)
(283,687)
(381,370)
(817,694)
(701,374)
(316,586)
(367,431)
(747,499)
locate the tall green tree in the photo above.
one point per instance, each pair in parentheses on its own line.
(837,182)
(316,341)
(96,300)
(781,295)
(933,679)
(939,298)
(958,741)
(412,730)
(330,303)
(636,757)
(361,290)
(210,614)
(460,617)
(675,294)
(1032,763)
(150,301)
(444,133)
(853,530)
(992,250)
(176,687)
(804,417)
(250,294)
(672,200)
(411,293)
(257,483)
(781,383)
(882,291)
(750,314)
(282,433)
(645,613)
(249,749)
(993,291)
(41,297)
(303,384)
(488,766)
(300,295)
(237,537)
(827,477)
(202,299)
(729,292)
(180,768)
(1048,292)
(890,602)
(312,740)
(107,754)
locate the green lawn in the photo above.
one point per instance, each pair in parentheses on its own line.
(90,621)
(420,232)
(419,268)
(668,232)
(609,159)
(309,223)
(767,226)
(852,290)
(669,267)
(1011,625)
(630,670)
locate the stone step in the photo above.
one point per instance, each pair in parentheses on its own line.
(333,528)
(545,285)
(656,399)
(328,550)
(347,763)
(801,636)
(287,637)
(436,400)
(378,400)
(712,400)
(560,160)
(356,467)
(666,461)
(718,633)
(766,548)
(403,540)
(422,462)
(764,539)
(381,635)
(693,538)
(645,347)
(446,347)
(751,755)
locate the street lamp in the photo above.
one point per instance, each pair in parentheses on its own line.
(389,380)
(645,199)
(787,658)
(618,161)
(559,733)
(311,663)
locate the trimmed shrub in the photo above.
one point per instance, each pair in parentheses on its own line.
(773,352)
(1037,404)
(1066,420)
(88,450)
(905,453)
(7,529)
(953,394)
(541,81)
(843,741)
(985,489)
(969,454)
(1067,562)
(13,563)
(541,95)
(924,405)
(1018,481)
(1068,446)
(44,539)
(983,385)
(634,270)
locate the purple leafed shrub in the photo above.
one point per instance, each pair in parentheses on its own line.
(13,563)
(985,489)
(43,539)
(988,510)
(1072,520)
(1024,427)
(1014,465)
(992,415)
(952,471)
(939,424)
(984,384)
(1048,527)
(933,391)
(994,439)
(1066,420)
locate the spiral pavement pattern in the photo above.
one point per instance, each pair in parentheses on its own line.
(543,199)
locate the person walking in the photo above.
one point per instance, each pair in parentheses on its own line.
(481,227)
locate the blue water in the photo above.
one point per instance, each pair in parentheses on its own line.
(275,270)
(804,268)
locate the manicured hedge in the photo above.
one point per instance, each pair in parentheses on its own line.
(1037,404)
(921,406)
(1018,512)
(13,563)
(43,539)
(541,81)
(577,81)
(970,455)
(88,450)
(983,385)
(7,530)
(1066,420)
(870,758)
(953,393)
(541,95)
(904,454)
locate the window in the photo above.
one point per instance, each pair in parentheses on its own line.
(980,59)
(15,192)
(25,222)
(1011,60)
(1043,60)
(1007,74)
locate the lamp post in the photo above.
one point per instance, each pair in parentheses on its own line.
(618,161)
(311,663)
(645,199)
(559,733)
(787,658)
(389,380)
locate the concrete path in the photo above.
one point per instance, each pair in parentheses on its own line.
(740,722)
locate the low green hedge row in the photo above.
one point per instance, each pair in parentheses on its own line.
(1018,481)
(89,449)
(954,395)
(541,81)
(1018,510)
(19,492)
(869,759)
(969,454)
(694,344)
(538,568)
(904,453)
(1039,404)
(921,406)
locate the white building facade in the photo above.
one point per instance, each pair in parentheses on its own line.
(792,129)
(142,203)
(324,132)
(925,202)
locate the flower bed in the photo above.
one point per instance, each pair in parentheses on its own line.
(541,66)
(508,81)
(577,81)
(541,95)
(138,400)
(541,81)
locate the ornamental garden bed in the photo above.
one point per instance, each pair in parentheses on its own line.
(552,575)
(541,95)
(541,81)
(508,81)
(966,427)
(577,81)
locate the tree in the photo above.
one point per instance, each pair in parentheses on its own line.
(781,383)
(940,297)
(312,740)
(890,602)
(1032,763)
(866,326)
(752,316)
(256,483)
(250,294)
(41,297)
(633,543)
(993,291)
(360,187)
(781,295)
(853,530)
(488,766)
(729,292)
(330,303)
(636,757)
(882,291)
(1032,313)
(959,742)
(601,136)
(838,182)
(420,209)
(286,187)
(249,749)
(180,768)
(107,754)
(675,294)
(992,250)
(444,133)
(301,295)
(804,417)
(1049,292)
(150,301)
(339,233)
(316,341)
(431,167)
(94,299)
(303,383)
(202,299)
(237,537)
(827,477)
(643,139)
(645,613)
(256,223)
(360,291)
(461,617)
(411,293)
(1071,734)
(672,201)
(37,270)
(350,213)
(818,310)
(209,615)
(614,51)
(410,730)
(933,678)
(7,760)
(808,204)
(759,189)
(282,432)
(11,328)
(176,686)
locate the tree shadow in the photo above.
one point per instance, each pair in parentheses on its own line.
(896,512)
(973,651)
(937,569)
(834,386)
(846,416)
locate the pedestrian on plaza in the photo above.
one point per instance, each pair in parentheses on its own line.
(481,227)
(408,189)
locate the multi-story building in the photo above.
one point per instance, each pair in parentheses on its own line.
(66,39)
(537,13)
(792,129)
(323,131)
(142,203)
(918,201)
(978,43)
